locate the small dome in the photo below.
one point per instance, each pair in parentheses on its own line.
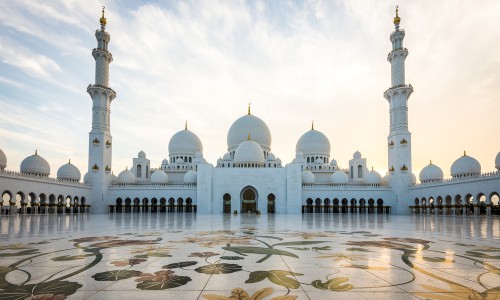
(141,154)
(373,177)
(339,177)
(179,160)
(159,177)
(431,172)
(184,142)
(35,164)
(333,162)
(126,177)
(227,156)
(114,179)
(313,141)
(249,152)
(413,179)
(164,162)
(190,177)
(319,161)
(69,172)
(3,160)
(356,155)
(86,178)
(497,161)
(308,177)
(465,166)
(240,129)
(271,156)
(385,180)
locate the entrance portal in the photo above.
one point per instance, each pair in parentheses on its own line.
(248,201)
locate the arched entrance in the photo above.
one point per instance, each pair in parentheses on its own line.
(270,203)
(248,200)
(227,203)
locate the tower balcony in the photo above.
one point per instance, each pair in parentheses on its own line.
(99,87)
(397,50)
(401,88)
(96,52)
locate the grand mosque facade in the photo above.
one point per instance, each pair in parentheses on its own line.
(249,177)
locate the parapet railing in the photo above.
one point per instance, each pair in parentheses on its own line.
(345,186)
(465,178)
(40,177)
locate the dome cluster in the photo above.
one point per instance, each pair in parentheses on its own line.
(249,124)
(35,165)
(69,172)
(3,160)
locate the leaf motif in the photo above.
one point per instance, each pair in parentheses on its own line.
(280,278)
(437,259)
(168,283)
(286,297)
(181,264)
(116,275)
(70,257)
(20,253)
(257,276)
(363,267)
(298,248)
(481,255)
(333,284)
(219,268)
(359,249)
(243,250)
(52,287)
(299,243)
(261,294)
(232,257)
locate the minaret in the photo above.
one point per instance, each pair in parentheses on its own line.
(100,141)
(399,139)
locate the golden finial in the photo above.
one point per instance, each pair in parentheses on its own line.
(372,168)
(249,138)
(69,161)
(36,151)
(312,125)
(465,153)
(126,167)
(249,104)
(397,19)
(430,162)
(186,125)
(103,19)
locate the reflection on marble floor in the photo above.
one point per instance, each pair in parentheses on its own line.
(280,257)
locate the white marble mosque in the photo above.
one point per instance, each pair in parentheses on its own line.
(249,177)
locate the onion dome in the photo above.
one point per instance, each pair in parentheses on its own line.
(413,179)
(308,177)
(141,154)
(190,177)
(373,177)
(356,155)
(249,123)
(465,166)
(35,164)
(313,141)
(385,180)
(69,172)
(86,178)
(184,142)
(249,152)
(126,177)
(3,160)
(431,172)
(497,161)
(159,177)
(339,177)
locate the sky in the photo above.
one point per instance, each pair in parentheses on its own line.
(294,61)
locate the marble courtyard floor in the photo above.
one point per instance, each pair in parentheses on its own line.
(280,257)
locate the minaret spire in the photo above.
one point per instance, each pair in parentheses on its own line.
(102,20)
(100,140)
(399,139)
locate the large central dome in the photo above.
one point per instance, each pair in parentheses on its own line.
(249,124)
(313,142)
(184,142)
